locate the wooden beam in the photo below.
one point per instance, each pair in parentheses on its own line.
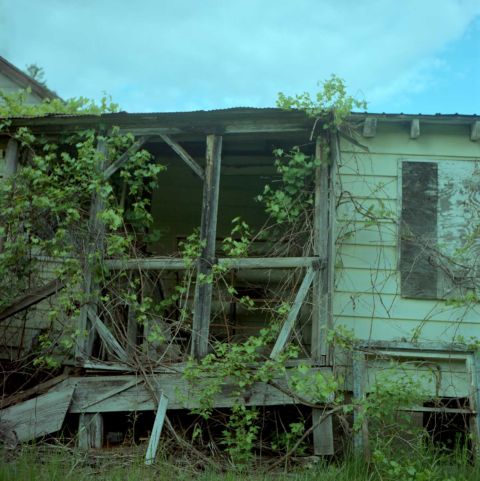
(208,232)
(169,263)
(11,158)
(92,393)
(293,313)
(31,298)
(123,159)
(38,416)
(157,430)
(475,131)
(90,431)
(370,127)
(95,244)
(109,340)
(415,129)
(28,393)
(184,155)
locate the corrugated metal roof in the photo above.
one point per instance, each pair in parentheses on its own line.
(253,110)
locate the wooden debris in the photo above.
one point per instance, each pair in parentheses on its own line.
(33,297)
(38,389)
(39,416)
(157,430)
(111,343)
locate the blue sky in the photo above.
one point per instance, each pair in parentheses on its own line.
(164,55)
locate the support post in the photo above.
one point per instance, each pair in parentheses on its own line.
(360,437)
(90,431)
(323,432)
(320,249)
(11,158)
(473,367)
(157,430)
(203,289)
(11,165)
(95,243)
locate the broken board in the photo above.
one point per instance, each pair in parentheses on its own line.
(38,416)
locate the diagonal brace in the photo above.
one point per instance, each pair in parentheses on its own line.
(107,337)
(184,155)
(114,166)
(293,314)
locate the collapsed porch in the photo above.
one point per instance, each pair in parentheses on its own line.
(117,346)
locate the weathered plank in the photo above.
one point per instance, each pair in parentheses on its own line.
(293,313)
(109,340)
(117,390)
(34,296)
(39,416)
(90,431)
(91,393)
(322,434)
(123,159)
(157,430)
(169,263)
(415,129)
(208,232)
(184,155)
(38,389)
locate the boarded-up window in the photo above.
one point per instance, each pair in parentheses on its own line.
(440,227)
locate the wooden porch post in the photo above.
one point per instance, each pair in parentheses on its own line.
(11,158)
(11,165)
(323,432)
(90,431)
(208,231)
(95,240)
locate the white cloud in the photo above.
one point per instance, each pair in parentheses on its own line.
(186,54)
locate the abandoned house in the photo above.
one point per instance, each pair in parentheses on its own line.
(392,262)
(12,79)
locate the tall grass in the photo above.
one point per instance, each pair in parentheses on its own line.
(59,464)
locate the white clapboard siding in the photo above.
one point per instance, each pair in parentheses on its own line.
(367,295)
(379,187)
